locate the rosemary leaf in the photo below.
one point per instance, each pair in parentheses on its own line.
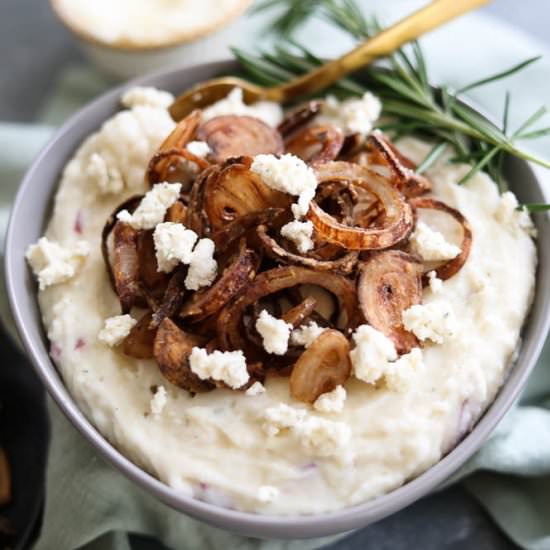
(535,117)
(479,165)
(431,157)
(535,207)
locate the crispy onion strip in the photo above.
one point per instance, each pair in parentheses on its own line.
(398,217)
(164,162)
(344,264)
(126,265)
(451,267)
(230,320)
(139,343)
(172,349)
(173,297)
(232,136)
(316,143)
(298,118)
(233,280)
(321,368)
(401,167)
(389,283)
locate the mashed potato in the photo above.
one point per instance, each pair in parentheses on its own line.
(263,451)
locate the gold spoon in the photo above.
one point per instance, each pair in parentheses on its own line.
(422,21)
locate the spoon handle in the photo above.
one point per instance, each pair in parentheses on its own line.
(422,21)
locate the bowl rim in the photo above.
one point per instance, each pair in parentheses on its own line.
(129,45)
(247,523)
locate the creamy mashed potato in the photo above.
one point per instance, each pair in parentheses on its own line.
(217,446)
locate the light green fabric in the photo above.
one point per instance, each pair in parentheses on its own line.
(89,504)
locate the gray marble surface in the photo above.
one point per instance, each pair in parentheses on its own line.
(35,48)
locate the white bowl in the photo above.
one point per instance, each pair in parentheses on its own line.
(127,58)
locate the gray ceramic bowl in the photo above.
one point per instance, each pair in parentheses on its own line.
(29,217)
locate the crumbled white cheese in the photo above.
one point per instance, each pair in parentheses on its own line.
(332,401)
(153,206)
(517,221)
(436,284)
(159,400)
(203,268)
(53,264)
(107,179)
(268,493)
(116,329)
(256,389)
(288,174)
(173,244)
(199,148)
(354,115)
(306,334)
(402,373)
(150,97)
(300,234)
(372,354)
(434,321)
(274,332)
(431,245)
(321,437)
(225,366)
(282,417)
(271,113)
(318,436)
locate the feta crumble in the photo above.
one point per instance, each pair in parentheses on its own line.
(372,354)
(159,400)
(306,334)
(107,179)
(203,268)
(508,215)
(173,244)
(401,374)
(199,148)
(274,332)
(318,436)
(321,437)
(53,264)
(153,206)
(434,321)
(148,96)
(300,234)
(431,245)
(116,329)
(256,389)
(435,283)
(268,493)
(354,115)
(331,402)
(225,366)
(282,417)
(288,174)
(269,112)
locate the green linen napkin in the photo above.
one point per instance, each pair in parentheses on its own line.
(91,505)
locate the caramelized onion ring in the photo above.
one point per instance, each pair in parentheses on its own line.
(230,320)
(139,343)
(316,143)
(398,217)
(126,265)
(173,297)
(402,168)
(344,264)
(232,136)
(172,349)
(235,277)
(389,283)
(160,166)
(321,367)
(298,118)
(236,191)
(451,267)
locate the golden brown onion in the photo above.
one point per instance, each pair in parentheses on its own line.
(451,267)
(299,117)
(316,143)
(126,265)
(172,349)
(389,283)
(397,221)
(321,367)
(139,343)
(233,136)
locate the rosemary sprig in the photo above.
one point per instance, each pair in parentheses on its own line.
(413,107)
